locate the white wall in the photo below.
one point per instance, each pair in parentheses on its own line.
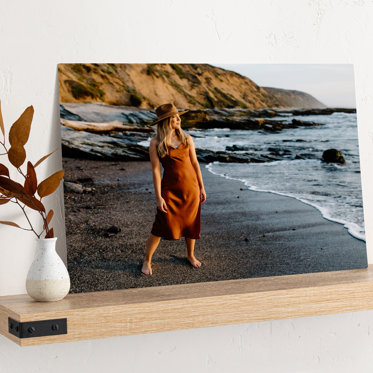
(37,35)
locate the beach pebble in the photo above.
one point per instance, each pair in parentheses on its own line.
(111,231)
(85,180)
(73,187)
(114,229)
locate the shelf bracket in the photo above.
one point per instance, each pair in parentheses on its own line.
(41,328)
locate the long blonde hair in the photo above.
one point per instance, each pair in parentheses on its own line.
(164,130)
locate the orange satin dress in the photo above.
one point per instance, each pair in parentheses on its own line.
(181,192)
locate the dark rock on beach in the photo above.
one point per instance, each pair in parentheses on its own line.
(72,187)
(67,114)
(235,148)
(113,146)
(317,111)
(112,231)
(297,123)
(333,156)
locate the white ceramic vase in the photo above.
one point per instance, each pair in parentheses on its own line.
(47,279)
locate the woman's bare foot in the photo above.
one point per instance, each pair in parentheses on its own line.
(194,262)
(146,268)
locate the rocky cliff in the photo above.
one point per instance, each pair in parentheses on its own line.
(191,86)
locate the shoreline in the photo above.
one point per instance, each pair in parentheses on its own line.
(318,208)
(244,233)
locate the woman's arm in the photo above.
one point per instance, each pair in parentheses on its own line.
(194,160)
(156,167)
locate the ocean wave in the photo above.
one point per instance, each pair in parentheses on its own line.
(353,229)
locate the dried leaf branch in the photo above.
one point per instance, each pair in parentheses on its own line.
(25,195)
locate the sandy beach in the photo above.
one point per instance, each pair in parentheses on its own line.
(243,233)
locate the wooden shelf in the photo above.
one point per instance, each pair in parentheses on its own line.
(157,309)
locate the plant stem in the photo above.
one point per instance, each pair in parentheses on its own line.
(40,212)
(45,222)
(23,209)
(20,171)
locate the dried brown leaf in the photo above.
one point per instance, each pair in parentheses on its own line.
(32,202)
(4,170)
(5,192)
(10,223)
(31,181)
(3,201)
(50,184)
(11,186)
(50,234)
(1,121)
(17,155)
(49,218)
(43,158)
(20,130)
(14,189)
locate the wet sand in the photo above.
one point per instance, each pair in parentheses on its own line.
(243,233)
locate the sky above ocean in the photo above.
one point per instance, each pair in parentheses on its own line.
(332,84)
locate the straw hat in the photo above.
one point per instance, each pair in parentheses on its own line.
(166,110)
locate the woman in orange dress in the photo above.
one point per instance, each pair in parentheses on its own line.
(180,192)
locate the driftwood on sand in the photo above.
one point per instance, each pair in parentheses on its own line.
(103,126)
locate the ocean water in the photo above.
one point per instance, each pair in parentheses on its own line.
(335,190)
